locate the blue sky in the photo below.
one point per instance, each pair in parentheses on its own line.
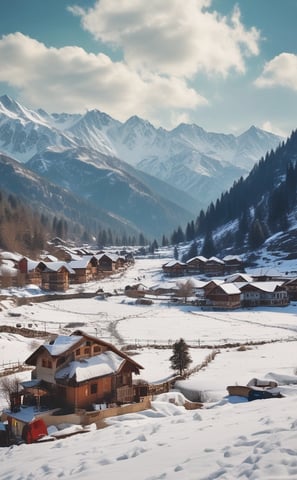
(221,64)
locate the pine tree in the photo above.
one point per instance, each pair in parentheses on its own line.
(180,359)
(208,249)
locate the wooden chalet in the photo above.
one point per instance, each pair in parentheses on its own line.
(174,268)
(29,271)
(225,295)
(264,294)
(85,269)
(196,265)
(233,264)
(214,267)
(55,275)
(209,286)
(81,370)
(106,262)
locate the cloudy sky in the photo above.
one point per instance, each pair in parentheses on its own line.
(221,64)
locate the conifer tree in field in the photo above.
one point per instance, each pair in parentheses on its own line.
(180,359)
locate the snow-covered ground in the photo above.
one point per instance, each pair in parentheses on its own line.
(225,440)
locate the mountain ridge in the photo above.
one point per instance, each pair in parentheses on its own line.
(184,168)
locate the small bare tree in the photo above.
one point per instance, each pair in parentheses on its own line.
(11,387)
(185,289)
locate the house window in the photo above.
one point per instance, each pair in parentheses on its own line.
(87,350)
(49,364)
(43,362)
(94,388)
(97,349)
(77,351)
(88,343)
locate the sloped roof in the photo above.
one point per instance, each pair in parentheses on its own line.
(230,288)
(173,263)
(63,343)
(199,257)
(98,366)
(82,262)
(56,266)
(215,259)
(239,277)
(268,287)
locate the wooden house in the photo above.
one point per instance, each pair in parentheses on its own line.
(214,267)
(174,268)
(225,295)
(196,265)
(106,262)
(264,293)
(233,264)
(55,276)
(209,286)
(85,269)
(30,271)
(81,370)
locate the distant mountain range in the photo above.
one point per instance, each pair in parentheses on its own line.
(147,179)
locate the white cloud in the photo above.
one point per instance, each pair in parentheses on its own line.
(73,80)
(270,127)
(280,71)
(175,37)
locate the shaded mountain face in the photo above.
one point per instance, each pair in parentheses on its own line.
(103,181)
(51,199)
(152,177)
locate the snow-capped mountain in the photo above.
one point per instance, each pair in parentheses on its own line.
(195,162)
(24,132)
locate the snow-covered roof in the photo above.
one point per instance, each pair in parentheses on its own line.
(51,258)
(10,256)
(112,256)
(7,268)
(268,287)
(81,263)
(230,288)
(26,414)
(215,259)
(216,281)
(98,366)
(199,257)
(172,263)
(240,276)
(32,264)
(229,258)
(61,344)
(55,266)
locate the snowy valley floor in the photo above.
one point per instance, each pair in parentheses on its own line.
(226,440)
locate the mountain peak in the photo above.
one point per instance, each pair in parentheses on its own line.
(10,104)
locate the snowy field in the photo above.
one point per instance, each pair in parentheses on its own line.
(225,440)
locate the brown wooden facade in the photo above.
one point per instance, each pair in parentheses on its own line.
(52,370)
(219,297)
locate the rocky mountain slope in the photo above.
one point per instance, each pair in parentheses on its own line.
(154,177)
